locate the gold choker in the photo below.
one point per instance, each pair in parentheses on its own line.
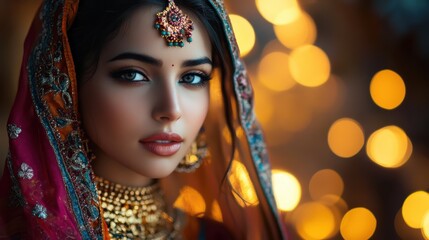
(137,212)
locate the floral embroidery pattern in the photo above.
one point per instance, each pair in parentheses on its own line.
(40,211)
(53,93)
(26,172)
(13,131)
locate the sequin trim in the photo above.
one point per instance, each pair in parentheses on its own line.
(26,172)
(40,211)
(13,131)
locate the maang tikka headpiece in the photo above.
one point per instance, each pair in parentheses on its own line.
(174,25)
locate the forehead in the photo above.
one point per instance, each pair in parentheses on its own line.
(139,35)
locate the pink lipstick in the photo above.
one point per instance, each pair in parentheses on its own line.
(163,144)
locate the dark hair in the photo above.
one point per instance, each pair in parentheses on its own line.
(98,21)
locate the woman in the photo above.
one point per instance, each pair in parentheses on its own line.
(113,97)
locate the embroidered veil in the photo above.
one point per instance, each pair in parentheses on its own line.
(47,191)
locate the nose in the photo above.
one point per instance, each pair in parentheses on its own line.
(167,104)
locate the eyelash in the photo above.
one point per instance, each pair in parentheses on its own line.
(204,79)
(120,75)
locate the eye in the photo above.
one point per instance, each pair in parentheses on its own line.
(130,75)
(195,79)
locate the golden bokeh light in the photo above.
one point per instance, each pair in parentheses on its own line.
(287,190)
(415,206)
(191,201)
(244,33)
(325,98)
(301,31)
(309,66)
(278,12)
(226,134)
(273,72)
(273,46)
(389,147)
(336,203)
(387,89)
(216,211)
(280,113)
(403,230)
(346,137)
(425,225)
(326,182)
(243,190)
(358,224)
(264,106)
(314,221)
(239,132)
(284,112)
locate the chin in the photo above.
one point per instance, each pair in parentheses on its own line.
(159,171)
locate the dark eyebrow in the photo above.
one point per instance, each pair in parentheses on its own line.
(148,59)
(138,57)
(196,62)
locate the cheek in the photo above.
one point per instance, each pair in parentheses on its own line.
(109,113)
(195,108)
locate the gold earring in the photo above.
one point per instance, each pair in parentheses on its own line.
(194,158)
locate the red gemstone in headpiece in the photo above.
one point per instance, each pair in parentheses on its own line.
(174,25)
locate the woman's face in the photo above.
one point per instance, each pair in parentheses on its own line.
(146,102)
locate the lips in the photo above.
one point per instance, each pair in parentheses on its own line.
(163,144)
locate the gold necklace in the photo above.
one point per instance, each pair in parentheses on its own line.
(136,212)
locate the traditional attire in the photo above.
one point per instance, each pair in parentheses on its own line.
(48,189)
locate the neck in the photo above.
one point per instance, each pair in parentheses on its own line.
(116,172)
